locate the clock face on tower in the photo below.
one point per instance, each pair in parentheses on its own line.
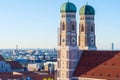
(63,40)
(73,40)
(92,40)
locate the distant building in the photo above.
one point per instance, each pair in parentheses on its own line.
(50,65)
(34,67)
(112,46)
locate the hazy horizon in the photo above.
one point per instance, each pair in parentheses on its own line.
(33,24)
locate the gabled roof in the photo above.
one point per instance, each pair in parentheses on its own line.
(99,64)
(15,64)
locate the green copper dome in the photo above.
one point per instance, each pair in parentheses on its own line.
(68,7)
(87,10)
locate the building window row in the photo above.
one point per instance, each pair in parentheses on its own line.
(83,28)
(63,27)
(68,16)
(87,18)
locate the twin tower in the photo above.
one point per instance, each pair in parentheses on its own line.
(69,51)
(68,27)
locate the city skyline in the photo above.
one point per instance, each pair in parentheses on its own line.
(33,24)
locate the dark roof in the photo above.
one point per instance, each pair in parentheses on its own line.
(99,64)
(15,64)
(34,76)
(1,58)
(10,75)
(41,76)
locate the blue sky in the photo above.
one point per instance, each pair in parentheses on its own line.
(34,23)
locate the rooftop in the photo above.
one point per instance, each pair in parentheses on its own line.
(15,64)
(99,64)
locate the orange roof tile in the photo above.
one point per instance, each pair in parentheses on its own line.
(99,64)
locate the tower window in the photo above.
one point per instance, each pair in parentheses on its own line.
(88,18)
(67,74)
(73,16)
(62,16)
(63,27)
(69,16)
(92,29)
(82,28)
(63,40)
(73,40)
(68,64)
(73,27)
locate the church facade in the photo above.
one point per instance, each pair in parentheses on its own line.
(81,60)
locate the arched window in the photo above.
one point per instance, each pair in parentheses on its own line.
(67,16)
(82,28)
(63,26)
(73,16)
(62,16)
(81,18)
(92,29)
(73,27)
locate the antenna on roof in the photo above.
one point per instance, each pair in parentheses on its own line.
(17,47)
(112,46)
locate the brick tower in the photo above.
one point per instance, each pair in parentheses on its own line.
(87,28)
(67,42)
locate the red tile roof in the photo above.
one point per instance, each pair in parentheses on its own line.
(15,64)
(99,64)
